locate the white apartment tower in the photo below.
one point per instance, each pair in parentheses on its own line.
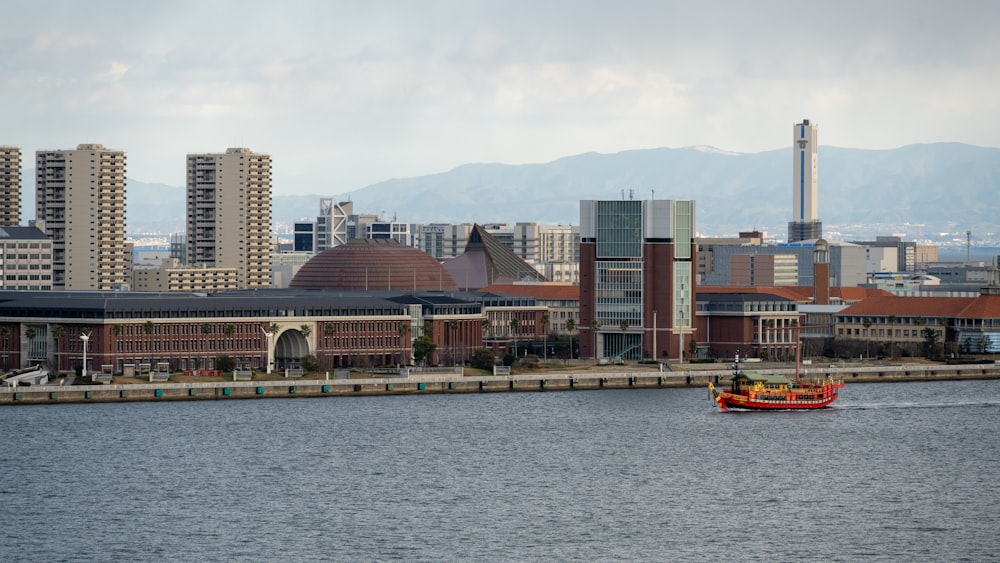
(229,214)
(80,196)
(10,186)
(805,223)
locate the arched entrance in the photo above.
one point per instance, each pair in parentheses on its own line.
(289,349)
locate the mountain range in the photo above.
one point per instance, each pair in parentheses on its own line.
(918,190)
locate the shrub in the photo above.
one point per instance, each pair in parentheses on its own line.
(483,358)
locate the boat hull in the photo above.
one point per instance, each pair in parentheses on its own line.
(801,399)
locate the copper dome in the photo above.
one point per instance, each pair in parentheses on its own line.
(373,265)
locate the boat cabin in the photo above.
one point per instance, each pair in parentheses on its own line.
(760,382)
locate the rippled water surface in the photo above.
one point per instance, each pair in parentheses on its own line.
(902,471)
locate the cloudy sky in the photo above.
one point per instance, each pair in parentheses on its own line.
(344,94)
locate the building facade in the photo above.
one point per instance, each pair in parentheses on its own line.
(10,186)
(637,282)
(80,201)
(229,214)
(25,259)
(805,223)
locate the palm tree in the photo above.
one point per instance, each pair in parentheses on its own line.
(453,325)
(329,330)
(30,335)
(595,325)
(867,323)
(892,337)
(116,330)
(206,329)
(57,333)
(545,337)
(229,331)
(148,329)
(403,330)
(570,327)
(4,335)
(514,323)
(920,321)
(306,330)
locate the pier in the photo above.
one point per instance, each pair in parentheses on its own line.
(452,384)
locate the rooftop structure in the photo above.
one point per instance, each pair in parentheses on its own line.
(372,265)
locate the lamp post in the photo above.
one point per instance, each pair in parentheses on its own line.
(85,338)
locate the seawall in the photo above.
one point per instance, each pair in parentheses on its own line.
(54,394)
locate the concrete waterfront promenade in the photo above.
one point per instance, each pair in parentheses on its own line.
(532,382)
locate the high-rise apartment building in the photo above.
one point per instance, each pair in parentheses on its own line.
(80,203)
(636,278)
(229,214)
(10,186)
(805,223)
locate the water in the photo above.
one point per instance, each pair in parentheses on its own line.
(901,471)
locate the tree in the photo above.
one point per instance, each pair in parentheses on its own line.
(483,358)
(453,325)
(116,330)
(514,323)
(404,331)
(595,325)
(920,322)
(867,323)
(30,335)
(545,337)
(4,335)
(329,330)
(310,363)
(892,336)
(570,327)
(225,363)
(423,348)
(57,333)
(229,330)
(206,329)
(306,330)
(930,341)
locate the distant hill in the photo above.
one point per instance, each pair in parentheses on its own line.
(915,190)
(943,186)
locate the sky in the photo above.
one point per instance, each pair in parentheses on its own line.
(344,94)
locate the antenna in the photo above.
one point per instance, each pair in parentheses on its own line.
(631,195)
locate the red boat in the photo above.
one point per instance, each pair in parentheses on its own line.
(759,391)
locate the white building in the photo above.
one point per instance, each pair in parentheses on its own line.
(229,214)
(25,259)
(80,201)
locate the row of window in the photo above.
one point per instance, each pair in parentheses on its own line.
(862,332)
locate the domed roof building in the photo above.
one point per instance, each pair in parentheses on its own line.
(373,265)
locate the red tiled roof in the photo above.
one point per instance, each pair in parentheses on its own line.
(792,293)
(537,290)
(910,306)
(983,307)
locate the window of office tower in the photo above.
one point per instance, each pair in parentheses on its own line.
(619,229)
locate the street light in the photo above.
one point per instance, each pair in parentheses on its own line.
(85,337)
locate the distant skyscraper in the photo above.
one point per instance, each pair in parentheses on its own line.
(805,223)
(10,186)
(80,196)
(229,214)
